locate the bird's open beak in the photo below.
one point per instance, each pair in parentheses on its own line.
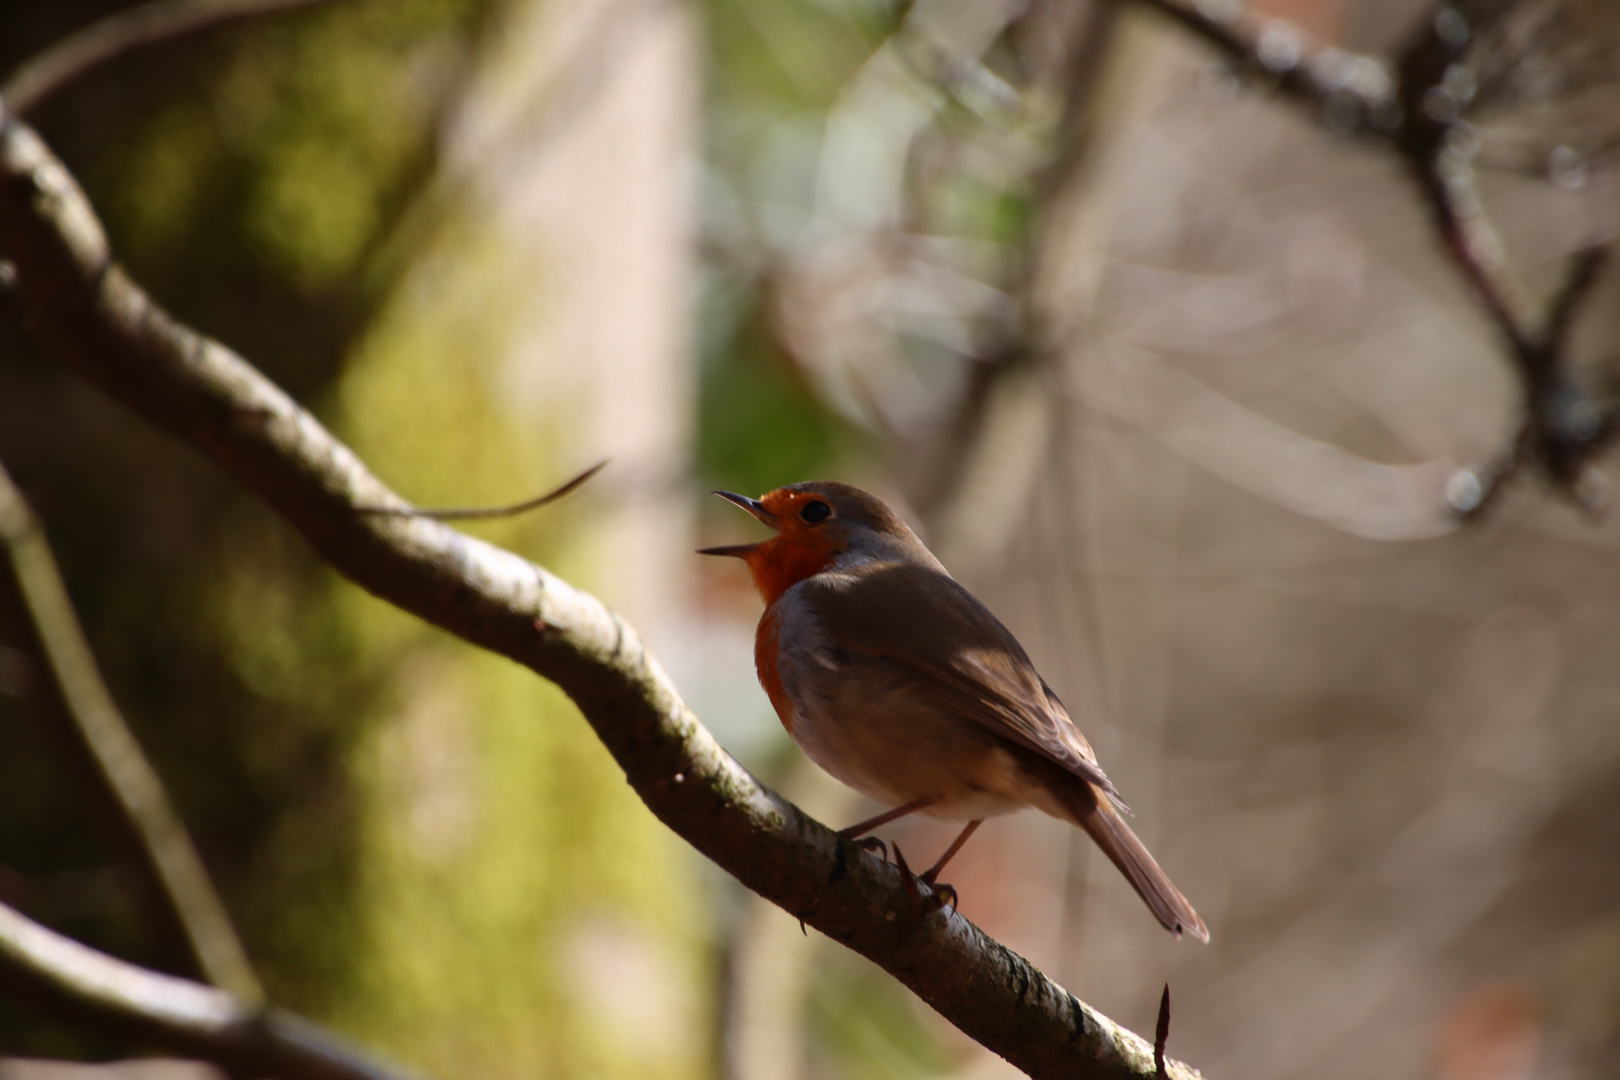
(753,506)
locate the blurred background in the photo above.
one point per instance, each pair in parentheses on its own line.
(1170,375)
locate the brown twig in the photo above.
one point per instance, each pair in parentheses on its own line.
(487,513)
(85,309)
(1347,91)
(1584,272)
(1419,115)
(1161,1033)
(118,35)
(202,1020)
(128,777)
(1563,427)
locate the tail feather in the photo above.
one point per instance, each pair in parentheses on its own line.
(1104,824)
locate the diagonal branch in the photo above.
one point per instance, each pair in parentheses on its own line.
(88,311)
(128,777)
(1347,91)
(125,32)
(210,1023)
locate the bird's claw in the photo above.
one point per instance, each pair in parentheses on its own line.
(938,895)
(873,845)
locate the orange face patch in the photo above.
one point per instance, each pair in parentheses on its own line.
(800,549)
(782,562)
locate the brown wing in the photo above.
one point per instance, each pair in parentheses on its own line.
(925,621)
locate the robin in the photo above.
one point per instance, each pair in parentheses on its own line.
(896,680)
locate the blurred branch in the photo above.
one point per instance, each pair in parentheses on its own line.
(1348,91)
(83,307)
(129,778)
(1584,272)
(1322,481)
(1563,428)
(1418,115)
(992,401)
(213,1024)
(118,35)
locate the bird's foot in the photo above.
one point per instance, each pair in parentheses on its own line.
(936,897)
(870,844)
(941,890)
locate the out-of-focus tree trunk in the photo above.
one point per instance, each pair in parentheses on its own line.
(518,910)
(425,845)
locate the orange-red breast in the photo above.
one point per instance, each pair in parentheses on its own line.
(898,682)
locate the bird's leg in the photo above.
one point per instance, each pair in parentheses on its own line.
(931,875)
(864,827)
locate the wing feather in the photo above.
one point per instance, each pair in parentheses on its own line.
(965,658)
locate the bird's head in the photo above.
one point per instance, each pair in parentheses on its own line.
(817,521)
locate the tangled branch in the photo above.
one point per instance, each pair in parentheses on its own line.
(1418,114)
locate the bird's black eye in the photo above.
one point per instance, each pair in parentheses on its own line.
(816,511)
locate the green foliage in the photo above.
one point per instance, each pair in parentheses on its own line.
(761,426)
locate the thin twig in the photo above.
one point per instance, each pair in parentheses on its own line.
(202,1020)
(485,513)
(1584,272)
(85,309)
(118,35)
(1349,92)
(1161,1033)
(129,778)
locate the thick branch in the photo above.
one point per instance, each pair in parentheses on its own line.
(129,778)
(88,311)
(199,1019)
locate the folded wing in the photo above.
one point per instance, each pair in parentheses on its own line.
(970,662)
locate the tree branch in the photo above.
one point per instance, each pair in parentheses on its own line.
(117,35)
(1418,115)
(88,311)
(1347,92)
(213,1024)
(129,778)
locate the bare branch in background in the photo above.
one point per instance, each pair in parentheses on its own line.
(84,308)
(212,1024)
(1084,83)
(1419,116)
(1584,273)
(1563,427)
(135,787)
(1349,93)
(118,35)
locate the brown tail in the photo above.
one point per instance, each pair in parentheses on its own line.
(1094,813)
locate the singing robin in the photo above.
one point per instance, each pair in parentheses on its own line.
(896,680)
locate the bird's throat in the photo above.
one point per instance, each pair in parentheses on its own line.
(782,562)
